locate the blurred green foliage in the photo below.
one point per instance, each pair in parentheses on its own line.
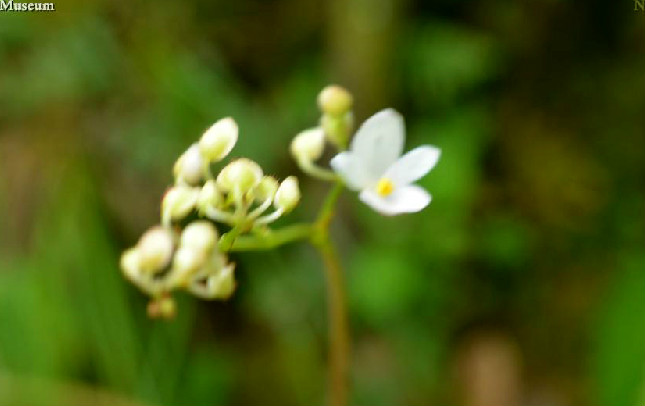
(536,230)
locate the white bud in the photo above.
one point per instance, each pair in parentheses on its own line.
(131,267)
(218,285)
(219,140)
(190,166)
(130,261)
(209,195)
(288,194)
(223,285)
(200,235)
(241,174)
(309,144)
(155,249)
(186,262)
(178,202)
(265,189)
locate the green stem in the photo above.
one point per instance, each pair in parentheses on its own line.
(339,342)
(328,207)
(318,234)
(272,239)
(228,240)
(316,171)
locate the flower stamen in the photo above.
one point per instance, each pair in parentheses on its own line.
(384,187)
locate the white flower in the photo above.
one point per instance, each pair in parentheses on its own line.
(374,166)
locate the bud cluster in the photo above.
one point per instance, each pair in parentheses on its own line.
(168,257)
(239,194)
(336,123)
(337,119)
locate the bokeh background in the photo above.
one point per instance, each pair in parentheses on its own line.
(522,283)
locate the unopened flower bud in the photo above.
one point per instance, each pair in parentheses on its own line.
(178,202)
(130,261)
(288,194)
(187,261)
(167,307)
(199,235)
(309,144)
(209,195)
(224,284)
(219,285)
(190,166)
(335,100)
(163,307)
(241,174)
(219,140)
(337,128)
(155,249)
(265,189)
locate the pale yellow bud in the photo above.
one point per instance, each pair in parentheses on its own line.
(186,262)
(288,194)
(265,189)
(179,201)
(167,307)
(335,100)
(337,128)
(218,285)
(130,263)
(190,166)
(219,140)
(224,284)
(155,249)
(241,175)
(163,307)
(309,144)
(209,196)
(199,235)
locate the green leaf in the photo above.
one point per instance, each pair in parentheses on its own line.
(619,356)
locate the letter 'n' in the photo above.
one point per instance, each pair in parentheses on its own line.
(639,5)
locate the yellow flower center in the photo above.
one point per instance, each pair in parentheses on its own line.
(384,187)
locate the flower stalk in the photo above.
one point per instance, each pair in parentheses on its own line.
(339,342)
(318,235)
(192,255)
(339,338)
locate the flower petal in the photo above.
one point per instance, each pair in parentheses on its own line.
(413,165)
(408,199)
(352,170)
(379,141)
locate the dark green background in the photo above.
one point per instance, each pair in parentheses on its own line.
(525,276)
